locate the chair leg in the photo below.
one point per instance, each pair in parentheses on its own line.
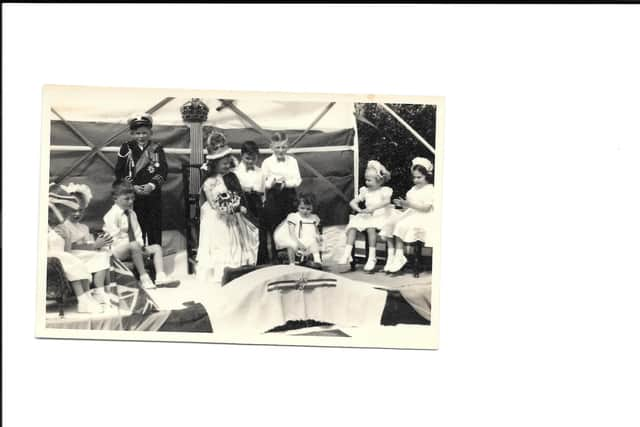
(416,261)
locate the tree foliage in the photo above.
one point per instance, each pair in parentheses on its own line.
(381,137)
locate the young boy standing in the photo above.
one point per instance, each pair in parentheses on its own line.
(143,163)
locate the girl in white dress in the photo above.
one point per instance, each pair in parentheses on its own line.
(416,222)
(377,211)
(227,237)
(84,246)
(299,232)
(61,205)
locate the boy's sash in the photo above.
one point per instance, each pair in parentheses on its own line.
(145,158)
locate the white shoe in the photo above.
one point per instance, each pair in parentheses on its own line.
(162,278)
(389,263)
(398,262)
(371,264)
(90,306)
(345,260)
(146,282)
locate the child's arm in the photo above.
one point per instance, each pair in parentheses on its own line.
(110,225)
(101,241)
(121,164)
(163,170)
(267,177)
(207,188)
(356,200)
(354,205)
(386,200)
(423,206)
(293,178)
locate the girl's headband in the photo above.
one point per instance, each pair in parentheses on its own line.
(424,162)
(378,167)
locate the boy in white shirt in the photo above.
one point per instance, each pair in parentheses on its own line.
(122,224)
(281,179)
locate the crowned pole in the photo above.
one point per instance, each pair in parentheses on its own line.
(194,114)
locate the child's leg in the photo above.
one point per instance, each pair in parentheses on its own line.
(351,238)
(292,255)
(399,260)
(156,253)
(99,278)
(137,257)
(391,252)
(371,256)
(86,304)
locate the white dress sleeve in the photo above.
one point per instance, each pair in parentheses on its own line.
(385,194)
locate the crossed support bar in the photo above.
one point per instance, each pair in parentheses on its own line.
(95,149)
(226,103)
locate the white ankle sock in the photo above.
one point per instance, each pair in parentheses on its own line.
(372,253)
(391,252)
(100,296)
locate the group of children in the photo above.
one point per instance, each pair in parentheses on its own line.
(140,172)
(248,213)
(273,215)
(85,259)
(376,214)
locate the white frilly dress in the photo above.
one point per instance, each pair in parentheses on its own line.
(377,218)
(413,225)
(225,240)
(94,260)
(73,267)
(305,228)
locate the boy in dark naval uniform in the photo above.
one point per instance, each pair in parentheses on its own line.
(143,163)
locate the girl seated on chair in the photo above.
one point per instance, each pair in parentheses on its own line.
(299,232)
(83,245)
(416,222)
(61,206)
(376,212)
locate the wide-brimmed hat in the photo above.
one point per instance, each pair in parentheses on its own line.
(217,146)
(143,120)
(58,196)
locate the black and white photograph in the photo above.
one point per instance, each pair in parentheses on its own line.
(240,217)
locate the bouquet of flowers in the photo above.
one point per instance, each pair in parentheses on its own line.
(227,203)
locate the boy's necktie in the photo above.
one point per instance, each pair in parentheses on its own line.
(130,233)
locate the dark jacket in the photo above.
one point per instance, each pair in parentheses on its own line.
(148,165)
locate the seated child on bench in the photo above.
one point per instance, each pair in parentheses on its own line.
(122,224)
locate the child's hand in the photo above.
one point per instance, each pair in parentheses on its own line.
(103,240)
(243,210)
(400,202)
(301,247)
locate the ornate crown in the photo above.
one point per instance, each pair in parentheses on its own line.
(194,111)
